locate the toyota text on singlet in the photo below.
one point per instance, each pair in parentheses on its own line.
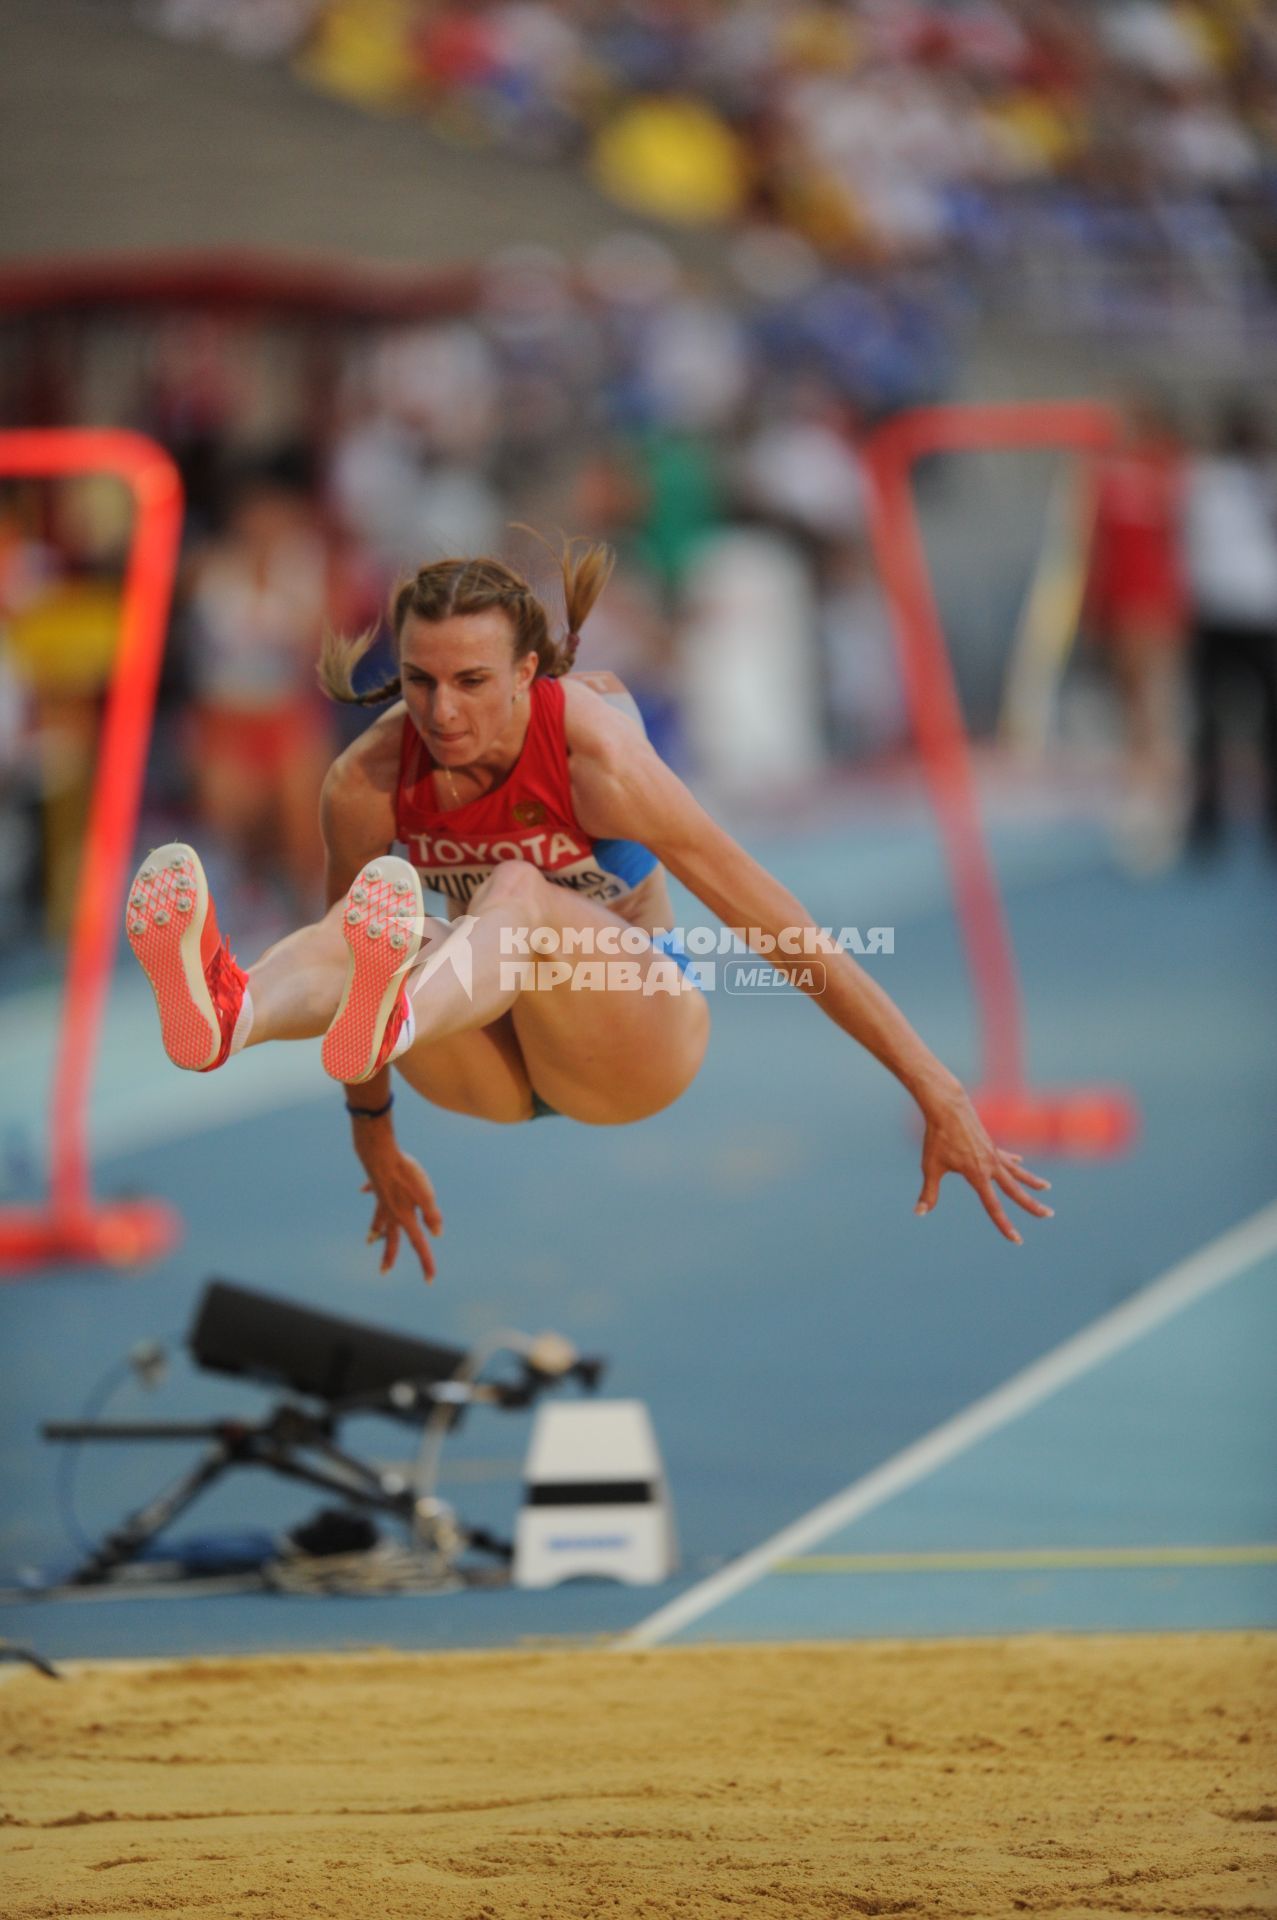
(529,816)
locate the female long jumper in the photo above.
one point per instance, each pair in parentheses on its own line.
(534,803)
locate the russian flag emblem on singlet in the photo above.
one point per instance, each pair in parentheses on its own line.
(528,817)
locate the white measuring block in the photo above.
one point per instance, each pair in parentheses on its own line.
(596,1503)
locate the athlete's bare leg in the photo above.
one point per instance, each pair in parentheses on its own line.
(297,985)
(602,1055)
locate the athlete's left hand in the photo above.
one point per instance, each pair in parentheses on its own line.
(402,1190)
(956,1142)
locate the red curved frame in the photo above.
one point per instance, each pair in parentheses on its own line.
(1083,1120)
(72,1226)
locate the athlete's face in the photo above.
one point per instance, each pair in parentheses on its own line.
(461,682)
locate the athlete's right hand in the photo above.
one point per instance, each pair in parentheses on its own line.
(402,1191)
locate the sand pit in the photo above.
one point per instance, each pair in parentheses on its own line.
(1049,1776)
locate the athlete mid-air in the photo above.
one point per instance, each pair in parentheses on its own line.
(530,798)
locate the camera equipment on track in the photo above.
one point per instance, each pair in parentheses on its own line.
(330,1369)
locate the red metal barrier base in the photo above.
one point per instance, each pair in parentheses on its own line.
(118,1233)
(1090,1123)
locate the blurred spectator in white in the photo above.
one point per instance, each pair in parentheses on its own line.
(440,381)
(800,471)
(866,703)
(407,466)
(1198,141)
(375,484)
(801,468)
(1231,521)
(665,464)
(257,605)
(459,511)
(749,675)
(1158,40)
(695,363)
(256,29)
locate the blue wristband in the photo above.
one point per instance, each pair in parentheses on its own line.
(370,1113)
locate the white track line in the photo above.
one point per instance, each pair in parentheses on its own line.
(1220,1260)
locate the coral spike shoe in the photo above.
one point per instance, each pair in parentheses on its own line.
(172,928)
(383,924)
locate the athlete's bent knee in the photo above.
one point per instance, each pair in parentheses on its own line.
(515,883)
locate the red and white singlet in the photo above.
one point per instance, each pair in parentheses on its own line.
(529,816)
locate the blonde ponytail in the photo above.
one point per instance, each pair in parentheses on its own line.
(338,659)
(585,575)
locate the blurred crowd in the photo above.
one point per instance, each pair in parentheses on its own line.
(709,435)
(868,161)
(1106,159)
(624,403)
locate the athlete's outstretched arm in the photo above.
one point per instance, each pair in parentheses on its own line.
(623,788)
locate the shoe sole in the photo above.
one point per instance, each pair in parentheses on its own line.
(383,924)
(167,910)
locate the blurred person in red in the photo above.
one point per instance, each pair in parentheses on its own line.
(1137,615)
(257,603)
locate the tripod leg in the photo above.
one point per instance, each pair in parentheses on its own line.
(126,1541)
